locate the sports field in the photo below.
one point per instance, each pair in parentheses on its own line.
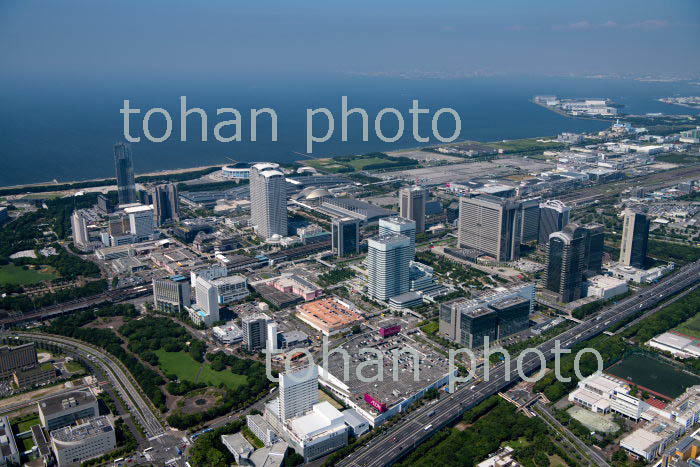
(187,368)
(11,274)
(653,375)
(690,327)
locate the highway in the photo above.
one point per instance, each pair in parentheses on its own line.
(121,381)
(52,311)
(421,424)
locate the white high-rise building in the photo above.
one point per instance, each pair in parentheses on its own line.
(206,309)
(268,200)
(388,266)
(78,223)
(399,226)
(140,222)
(272,335)
(298,391)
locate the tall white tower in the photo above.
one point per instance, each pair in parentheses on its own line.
(388,259)
(268,200)
(298,391)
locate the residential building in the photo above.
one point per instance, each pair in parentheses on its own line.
(78,223)
(255,331)
(412,205)
(635,237)
(268,198)
(74,444)
(64,409)
(124,165)
(298,391)
(399,226)
(346,236)
(166,204)
(491,226)
(17,358)
(388,266)
(171,294)
(554,215)
(566,261)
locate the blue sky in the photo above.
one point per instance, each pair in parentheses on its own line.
(156,39)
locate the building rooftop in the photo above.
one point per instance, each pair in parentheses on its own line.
(73,434)
(432,367)
(328,313)
(61,402)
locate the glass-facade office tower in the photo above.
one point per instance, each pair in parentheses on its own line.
(124,165)
(554,215)
(566,261)
(635,236)
(346,236)
(412,205)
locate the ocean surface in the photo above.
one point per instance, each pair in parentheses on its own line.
(65,130)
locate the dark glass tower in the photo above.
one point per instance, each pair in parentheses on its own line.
(124,165)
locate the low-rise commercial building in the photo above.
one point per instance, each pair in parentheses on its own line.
(39,374)
(63,409)
(72,445)
(606,287)
(329,315)
(319,432)
(680,346)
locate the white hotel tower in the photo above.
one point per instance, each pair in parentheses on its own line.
(268,200)
(387,266)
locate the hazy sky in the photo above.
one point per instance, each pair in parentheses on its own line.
(114,39)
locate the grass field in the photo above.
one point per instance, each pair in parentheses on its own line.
(23,424)
(11,274)
(186,368)
(690,327)
(650,373)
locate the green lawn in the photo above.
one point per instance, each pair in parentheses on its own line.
(690,327)
(11,274)
(22,424)
(25,444)
(186,368)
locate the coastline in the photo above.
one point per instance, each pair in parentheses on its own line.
(110,180)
